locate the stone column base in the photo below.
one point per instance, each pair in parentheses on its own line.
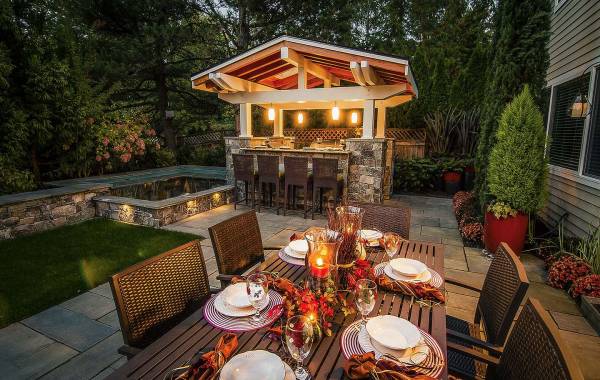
(370,170)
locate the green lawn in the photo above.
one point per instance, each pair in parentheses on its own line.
(42,270)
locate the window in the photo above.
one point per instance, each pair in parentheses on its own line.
(567,132)
(592,160)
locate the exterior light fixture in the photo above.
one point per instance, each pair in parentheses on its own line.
(354,117)
(335,113)
(300,118)
(581,106)
(271,113)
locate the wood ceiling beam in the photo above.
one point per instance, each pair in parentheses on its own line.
(235,84)
(370,76)
(292,57)
(357,73)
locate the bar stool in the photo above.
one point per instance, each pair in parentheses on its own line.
(268,174)
(243,170)
(296,176)
(325,176)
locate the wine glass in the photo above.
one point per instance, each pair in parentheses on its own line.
(391,243)
(365,292)
(298,339)
(257,290)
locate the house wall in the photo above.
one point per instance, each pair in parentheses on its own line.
(574,46)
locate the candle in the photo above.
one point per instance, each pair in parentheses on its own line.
(319,268)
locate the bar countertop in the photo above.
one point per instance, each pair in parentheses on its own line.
(291,150)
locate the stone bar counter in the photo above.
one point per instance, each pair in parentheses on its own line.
(366,164)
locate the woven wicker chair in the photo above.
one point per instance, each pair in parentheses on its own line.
(237,244)
(325,176)
(534,350)
(296,176)
(154,295)
(268,174)
(386,218)
(503,291)
(243,171)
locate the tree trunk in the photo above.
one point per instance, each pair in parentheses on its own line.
(244,28)
(163,100)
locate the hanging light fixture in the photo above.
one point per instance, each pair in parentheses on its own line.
(581,106)
(271,113)
(354,117)
(300,118)
(335,112)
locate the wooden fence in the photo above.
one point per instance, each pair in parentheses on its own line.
(205,139)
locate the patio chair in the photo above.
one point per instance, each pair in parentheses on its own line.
(325,176)
(502,292)
(296,176)
(386,218)
(238,245)
(268,174)
(243,171)
(534,350)
(156,294)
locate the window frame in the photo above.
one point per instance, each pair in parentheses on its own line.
(575,175)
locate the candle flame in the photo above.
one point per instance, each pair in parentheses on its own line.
(319,261)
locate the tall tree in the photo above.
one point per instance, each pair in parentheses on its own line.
(520,57)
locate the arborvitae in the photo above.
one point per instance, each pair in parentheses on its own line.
(520,57)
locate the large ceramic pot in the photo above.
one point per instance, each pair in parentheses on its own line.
(452,181)
(511,230)
(469,178)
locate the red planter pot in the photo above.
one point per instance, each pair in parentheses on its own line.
(511,230)
(452,181)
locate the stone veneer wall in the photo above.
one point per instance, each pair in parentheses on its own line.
(46,212)
(138,211)
(370,171)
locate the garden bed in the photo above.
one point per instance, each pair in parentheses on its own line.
(44,269)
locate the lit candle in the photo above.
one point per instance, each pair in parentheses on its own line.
(320,268)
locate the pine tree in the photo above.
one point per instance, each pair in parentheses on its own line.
(520,57)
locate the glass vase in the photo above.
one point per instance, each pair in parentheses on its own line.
(321,258)
(347,221)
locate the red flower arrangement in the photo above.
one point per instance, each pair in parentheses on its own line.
(462,202)
(463,205)
(587,286)
(566,270)
(472,231)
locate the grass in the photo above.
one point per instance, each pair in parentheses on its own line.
(42,270)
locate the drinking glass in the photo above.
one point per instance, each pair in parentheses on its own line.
(257,289)
(365,293)
(298,339)
(391,243)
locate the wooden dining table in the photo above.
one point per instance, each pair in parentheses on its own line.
(325,360)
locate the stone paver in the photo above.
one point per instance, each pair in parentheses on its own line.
(48,343)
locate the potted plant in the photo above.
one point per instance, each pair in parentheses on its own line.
(451,175)
(517,173)
(469,174)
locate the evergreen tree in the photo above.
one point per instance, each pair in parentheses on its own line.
(520,57)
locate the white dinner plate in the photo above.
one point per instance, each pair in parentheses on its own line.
(371,236)
(408,267)
(252,365)
(393,332)
(299,247)
(414,355)
(288,251)
(236,295)
(423,277)
(232,311)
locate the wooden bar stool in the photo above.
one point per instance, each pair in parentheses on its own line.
(243,170)
(296,176)
(268,174)
(325,176)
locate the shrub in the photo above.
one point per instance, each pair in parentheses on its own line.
(587,286)
(415,175)
(472,231)
(564,271)
(501,210)
(164,157)
(518,168)
(589,250)
(206,155)
(13,180)
(462,202)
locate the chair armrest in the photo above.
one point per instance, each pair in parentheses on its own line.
(487,359)
(225,277)
(492,348)
(129,351)
(454,281)
(272,248)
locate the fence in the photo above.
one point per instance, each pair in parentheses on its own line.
(409,143)
(205,139)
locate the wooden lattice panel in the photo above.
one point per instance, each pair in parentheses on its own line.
(324,134)
(405,134)
(207,138)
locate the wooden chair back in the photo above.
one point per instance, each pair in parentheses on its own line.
(154,295)
(503,291)
(237,243)
(535,349)
(386,218)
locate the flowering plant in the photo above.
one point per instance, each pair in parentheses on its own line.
(124,138)
(472,231)
(564,271)
(501,210)
(587,285)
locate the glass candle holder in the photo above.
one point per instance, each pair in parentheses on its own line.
(321,258)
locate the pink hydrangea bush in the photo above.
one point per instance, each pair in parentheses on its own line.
(565,270)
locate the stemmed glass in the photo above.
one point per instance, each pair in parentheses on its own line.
(391,243)
(365,293)
(298,339)
(257,289)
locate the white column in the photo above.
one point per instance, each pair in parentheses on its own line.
(380,123)
(278,123)
(368,119)
(302,78)
(246,120)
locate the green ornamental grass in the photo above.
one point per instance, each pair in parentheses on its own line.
(518,168)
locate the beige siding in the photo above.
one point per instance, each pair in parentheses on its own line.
(574,45)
